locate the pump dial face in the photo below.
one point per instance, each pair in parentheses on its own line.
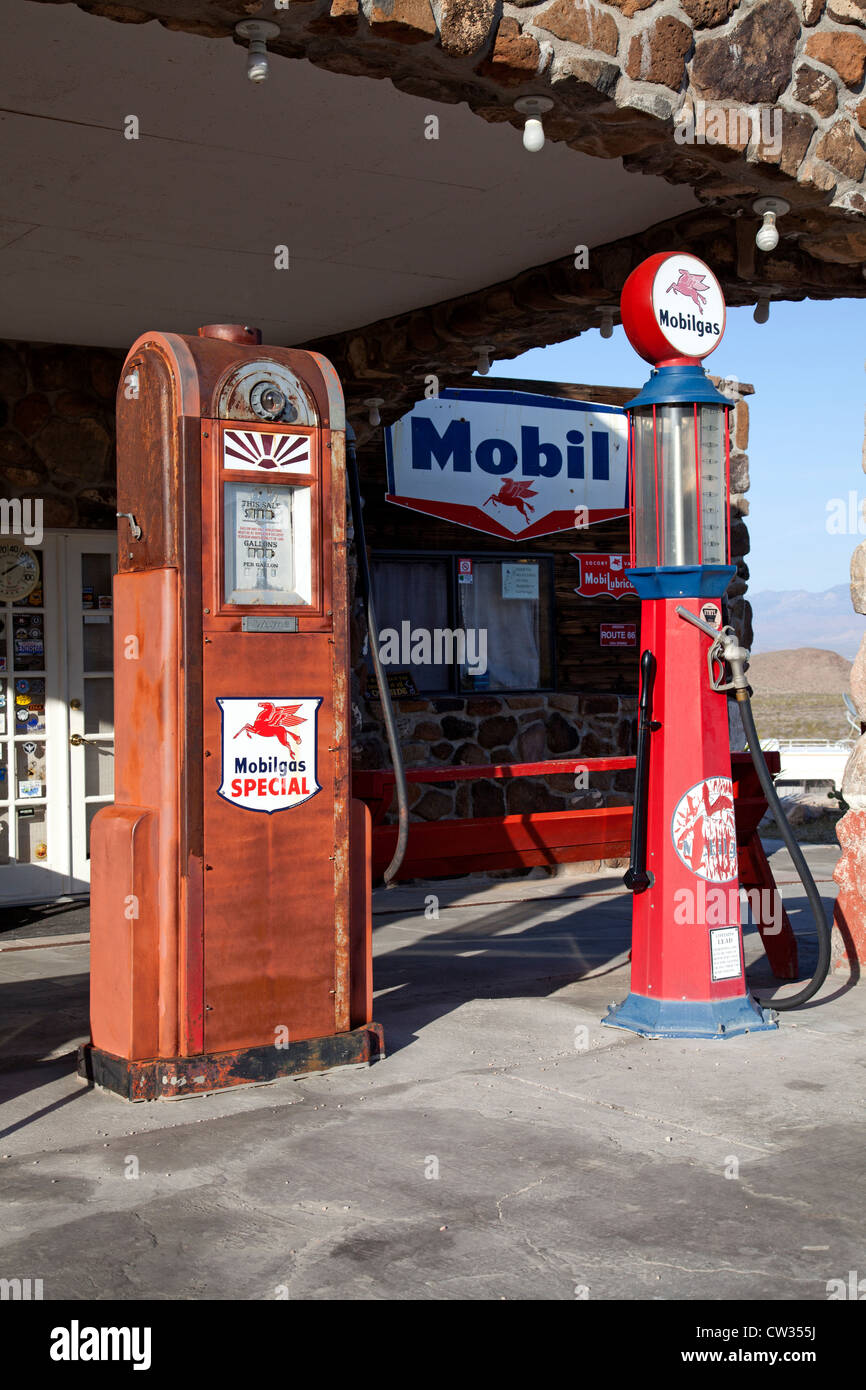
(19,571)
(270,403)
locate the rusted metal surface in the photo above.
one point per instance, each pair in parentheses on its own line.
(242,925)
(234,395)
(173,1077)
(334,510)
(361,936)
(134,842)
(232,333)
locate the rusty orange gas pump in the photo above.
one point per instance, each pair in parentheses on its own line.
(230,909)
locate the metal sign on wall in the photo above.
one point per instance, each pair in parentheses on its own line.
(603,574)
(509,463)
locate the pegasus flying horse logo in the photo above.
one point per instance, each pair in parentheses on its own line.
(275,721)
(693,286)
(514,494)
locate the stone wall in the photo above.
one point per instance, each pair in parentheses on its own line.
(57,430)
(505,729)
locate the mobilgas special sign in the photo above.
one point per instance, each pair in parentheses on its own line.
(273,767)
(509,463)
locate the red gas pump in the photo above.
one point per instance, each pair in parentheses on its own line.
(687,976)
(230,907)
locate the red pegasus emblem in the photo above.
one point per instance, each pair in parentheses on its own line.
(275,721)
(513,494)
(694,287)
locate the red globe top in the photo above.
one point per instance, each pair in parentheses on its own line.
(673,309)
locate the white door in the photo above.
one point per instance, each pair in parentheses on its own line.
(90,563)
(56,729)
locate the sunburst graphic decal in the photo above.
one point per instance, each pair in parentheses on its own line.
(251,449)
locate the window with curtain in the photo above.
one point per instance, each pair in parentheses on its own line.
(465,623)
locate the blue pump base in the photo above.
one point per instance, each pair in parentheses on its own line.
(691,1018)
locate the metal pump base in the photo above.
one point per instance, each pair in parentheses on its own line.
(690,1018)
(168,1078)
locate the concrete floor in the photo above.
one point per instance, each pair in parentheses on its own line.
(509,1147)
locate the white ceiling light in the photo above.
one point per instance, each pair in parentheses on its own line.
(372,403)
(533,108)
(607,323)
(769,209)
(257,32)
(483,362)
(762,311)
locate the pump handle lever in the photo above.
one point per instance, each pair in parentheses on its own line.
(726,648)
(698,622)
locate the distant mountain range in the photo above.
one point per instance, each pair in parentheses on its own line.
(790,618)
(805,670)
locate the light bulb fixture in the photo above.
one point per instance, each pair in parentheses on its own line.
(607,323)
(373,417)
(533,108)
(483,362)
(257,32)
(762,311)
(767,238)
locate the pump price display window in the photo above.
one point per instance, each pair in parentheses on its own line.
(679,479)
(268,558)
(265,502)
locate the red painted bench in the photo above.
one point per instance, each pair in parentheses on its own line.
(448,848)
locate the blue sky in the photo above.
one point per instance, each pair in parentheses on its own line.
(806,424)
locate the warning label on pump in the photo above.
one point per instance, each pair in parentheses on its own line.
(725,953)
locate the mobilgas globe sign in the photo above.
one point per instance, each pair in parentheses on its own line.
(688,305)
(268,750)
(509,463)
(673,309)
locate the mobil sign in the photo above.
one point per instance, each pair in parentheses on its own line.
(510,463)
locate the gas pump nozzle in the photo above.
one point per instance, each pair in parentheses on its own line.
(726,648)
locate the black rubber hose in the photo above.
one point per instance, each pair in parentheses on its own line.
(636,878)
(381,680)
(791,1001)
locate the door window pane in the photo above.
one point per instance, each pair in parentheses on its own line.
(98,769)
(29,705)
(30,765)
(98,642)
(32,841)
(96,571)
(99,706)
(28,641)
